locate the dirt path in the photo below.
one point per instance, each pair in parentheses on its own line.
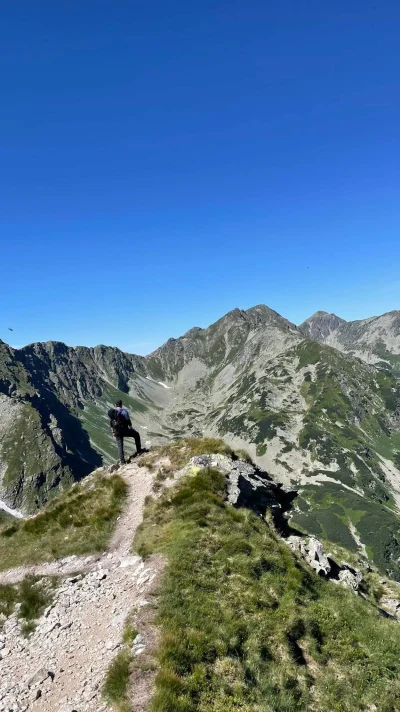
(62,665)
(139,481)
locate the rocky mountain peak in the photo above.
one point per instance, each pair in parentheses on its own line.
(261,314)
(320,325)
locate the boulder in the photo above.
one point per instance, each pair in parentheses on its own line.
(391,604)
(351,578)
(40,676)
(317,558)
(313,552)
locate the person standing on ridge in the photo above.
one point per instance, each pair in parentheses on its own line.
(121,426)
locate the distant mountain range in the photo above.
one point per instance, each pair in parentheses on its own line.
(318,405)
(375,340)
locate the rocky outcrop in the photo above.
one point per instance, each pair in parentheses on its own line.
(313,552)
(391,604)
(248,486)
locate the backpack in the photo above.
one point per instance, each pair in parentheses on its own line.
(118,422)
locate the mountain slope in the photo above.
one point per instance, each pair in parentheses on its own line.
(244,626)
(311,415)
(375,340)
(53,414)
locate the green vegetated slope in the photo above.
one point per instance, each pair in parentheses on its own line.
(43,447)
(80,521)
(333,424)
(13,373)
(351,420)
(246,627)
(314,417)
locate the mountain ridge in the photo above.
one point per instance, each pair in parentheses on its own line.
(312,415)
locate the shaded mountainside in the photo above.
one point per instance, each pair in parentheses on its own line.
(311,415)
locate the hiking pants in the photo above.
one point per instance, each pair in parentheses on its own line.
(129,433)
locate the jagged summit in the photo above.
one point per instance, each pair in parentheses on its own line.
(320,325)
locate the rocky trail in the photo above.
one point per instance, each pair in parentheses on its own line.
(61,667)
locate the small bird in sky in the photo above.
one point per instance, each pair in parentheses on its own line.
(10,329)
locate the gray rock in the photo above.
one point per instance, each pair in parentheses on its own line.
(138,650)
(317,558)
(39,677)
(391,604)
(313,552)
(296,543)
(130,561)
(351,579)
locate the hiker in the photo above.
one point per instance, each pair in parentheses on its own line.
(121,427)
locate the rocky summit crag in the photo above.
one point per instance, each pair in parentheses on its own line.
(317,406)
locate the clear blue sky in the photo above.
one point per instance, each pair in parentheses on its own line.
(164,162)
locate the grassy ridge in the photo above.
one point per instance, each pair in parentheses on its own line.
(78,522)
(246,628)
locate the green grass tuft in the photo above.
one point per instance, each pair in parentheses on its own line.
(243,455)
(116,684)
(33,595)
(8,600)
